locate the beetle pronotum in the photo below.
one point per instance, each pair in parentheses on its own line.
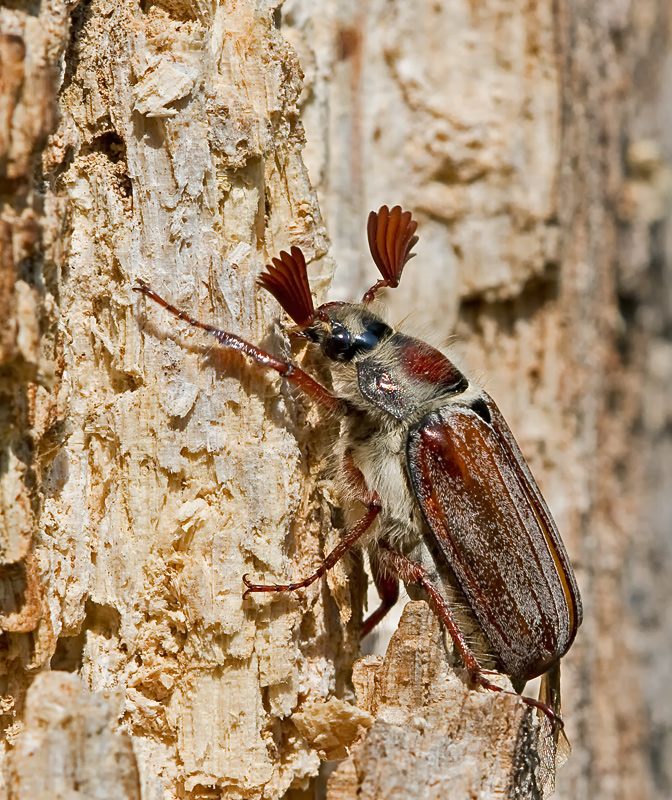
(450,505)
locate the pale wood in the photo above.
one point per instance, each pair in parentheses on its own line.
(71,745)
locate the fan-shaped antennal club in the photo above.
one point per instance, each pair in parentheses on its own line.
(287,280)
(391,235)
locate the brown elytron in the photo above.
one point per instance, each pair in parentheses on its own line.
(482,504)
(455,507)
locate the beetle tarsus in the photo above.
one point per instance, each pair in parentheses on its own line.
(555,719)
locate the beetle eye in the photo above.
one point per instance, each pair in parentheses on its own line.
(342,346)
(339,345)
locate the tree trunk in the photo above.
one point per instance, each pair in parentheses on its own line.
(143,472)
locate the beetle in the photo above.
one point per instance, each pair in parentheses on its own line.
(450,505)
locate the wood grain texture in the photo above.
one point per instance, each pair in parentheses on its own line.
(176,159)
(30,51)
(70,745)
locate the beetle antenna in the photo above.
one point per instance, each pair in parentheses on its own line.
(391,237)
(287,280)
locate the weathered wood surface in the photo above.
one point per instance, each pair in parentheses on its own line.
(140,477)
(433,736)
(71,745)
(177,145)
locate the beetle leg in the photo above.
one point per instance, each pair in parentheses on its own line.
(410,572)
(388,590)
(297,377)
(345,544)
(387,584)
(370,499)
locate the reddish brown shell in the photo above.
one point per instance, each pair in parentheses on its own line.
(391,238)
(287,280)
(496,532)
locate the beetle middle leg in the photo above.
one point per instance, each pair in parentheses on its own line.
(413,573)
(355,481)
(386,584)
(388,591)
(345,544)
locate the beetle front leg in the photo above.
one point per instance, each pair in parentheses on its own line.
(411,572)
(297,377)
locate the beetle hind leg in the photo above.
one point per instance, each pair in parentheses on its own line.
(413,573)
(387,585)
